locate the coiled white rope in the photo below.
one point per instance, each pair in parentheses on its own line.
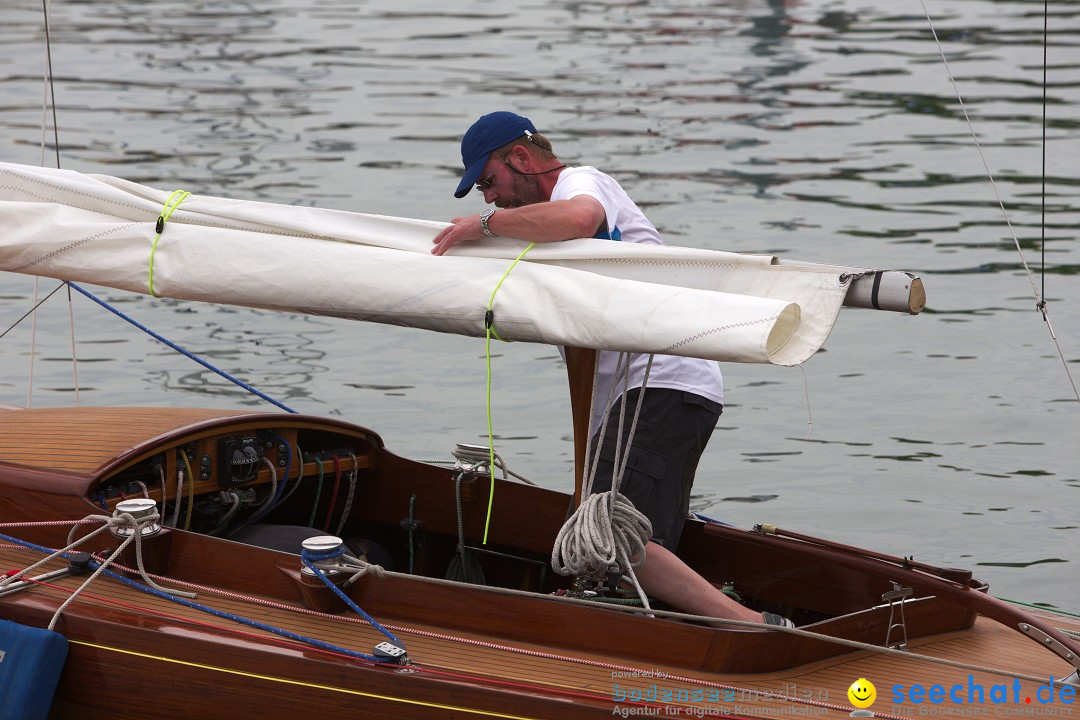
(606,532)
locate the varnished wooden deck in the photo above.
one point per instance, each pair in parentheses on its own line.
(42,438)
(817,690)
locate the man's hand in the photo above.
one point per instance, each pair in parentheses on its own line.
(461,229)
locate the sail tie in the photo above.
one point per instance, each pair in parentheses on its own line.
(166,212)
(489,331)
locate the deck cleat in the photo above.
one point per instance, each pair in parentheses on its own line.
(391,654)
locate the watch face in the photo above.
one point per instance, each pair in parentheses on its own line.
(487,213)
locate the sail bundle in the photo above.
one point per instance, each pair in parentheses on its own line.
(585,293)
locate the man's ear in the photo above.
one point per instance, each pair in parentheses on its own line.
(523,159)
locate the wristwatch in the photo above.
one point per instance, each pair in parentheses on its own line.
(484,218)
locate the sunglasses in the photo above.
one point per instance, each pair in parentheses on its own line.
(485,183)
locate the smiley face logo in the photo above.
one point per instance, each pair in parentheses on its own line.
(862,693)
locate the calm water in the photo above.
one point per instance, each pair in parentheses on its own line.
(823,131)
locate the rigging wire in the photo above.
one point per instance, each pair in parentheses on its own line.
(48,101)
(1042,224)
(49,91)
(74,359)
(33,347)
(31,310)
(809,412)
(1040,301)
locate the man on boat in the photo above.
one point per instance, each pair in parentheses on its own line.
(540,199)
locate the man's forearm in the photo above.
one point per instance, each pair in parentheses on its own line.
(542,222)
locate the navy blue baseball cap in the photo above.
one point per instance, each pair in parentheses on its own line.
(489,133)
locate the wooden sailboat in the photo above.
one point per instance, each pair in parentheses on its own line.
(269,637)
(264,638)
(522,645)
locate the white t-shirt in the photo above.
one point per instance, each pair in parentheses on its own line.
(626,223)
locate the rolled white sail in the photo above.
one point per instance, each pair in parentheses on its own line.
(583,293)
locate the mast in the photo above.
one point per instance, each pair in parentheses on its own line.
(580,364)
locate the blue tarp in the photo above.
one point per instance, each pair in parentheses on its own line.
(30,663)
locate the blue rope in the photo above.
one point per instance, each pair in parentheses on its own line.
(181,350)
(28,544)
(237,618)
(309,559)
(705,518)
(219,613)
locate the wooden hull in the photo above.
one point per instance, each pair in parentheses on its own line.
(476,651)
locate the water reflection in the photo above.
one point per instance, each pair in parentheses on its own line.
(827,131)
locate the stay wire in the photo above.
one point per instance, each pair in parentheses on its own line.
(49,93)
(31,310)
(806,392)
(50,89)
(74,357)
(48,101)
(1042,243)
(33,349)
(1040,301)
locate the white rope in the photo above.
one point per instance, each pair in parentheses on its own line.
(100,569)
(606,531)
(806,392)
(348,563)
(74,357)
(483,456)
(122,520)
(621,373)
(119,520)
(464,566)
(33,344)
(234,504)
(179,496)
(161,477)
(273,486)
